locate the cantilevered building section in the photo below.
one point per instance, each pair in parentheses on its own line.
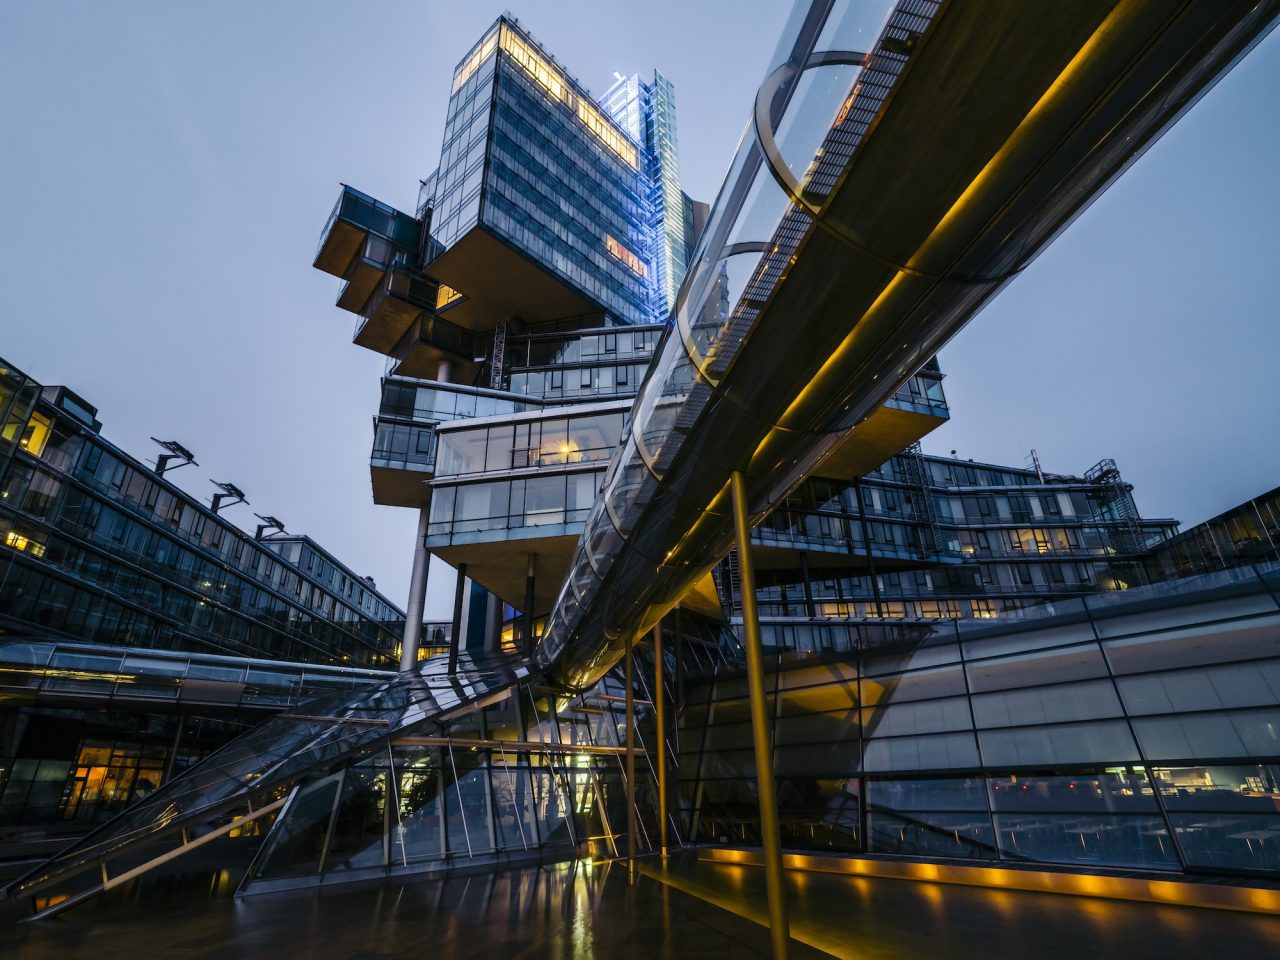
(520,307)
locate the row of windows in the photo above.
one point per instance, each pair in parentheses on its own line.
(175,578)
(434,404)
(1209,818)
(616,344)
(832,496)
(982,590)
(530,443)
(35,491)
(829,530)
(507,504)
(174,619)
(570,382)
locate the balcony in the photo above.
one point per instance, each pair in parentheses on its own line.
(361,241)
(368,270)
(918,408)
(402,460)
(429,340)
(391,306)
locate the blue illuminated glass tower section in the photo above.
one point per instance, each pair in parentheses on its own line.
(647,111)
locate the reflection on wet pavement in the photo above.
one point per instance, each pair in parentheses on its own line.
(561,911)
(587,911)
(872,918)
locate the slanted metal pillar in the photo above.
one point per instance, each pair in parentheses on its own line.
(760,732)
(629,669)
(810,610)
(659,711)
(528,604)
(417,593)
(455,630)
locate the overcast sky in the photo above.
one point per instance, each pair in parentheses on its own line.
(168,168)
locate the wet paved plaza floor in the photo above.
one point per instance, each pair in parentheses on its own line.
(690,910)
(879,918)
(559,911)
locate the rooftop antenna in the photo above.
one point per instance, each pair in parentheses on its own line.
(1035,464)
(268,524)
(176,452)
(229,497)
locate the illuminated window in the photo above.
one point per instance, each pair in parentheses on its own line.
(478,56)
(26,544)
(983,609)
(36,435)
(597,124)
(553,81)
(620,252)
(446,297)
(533,63)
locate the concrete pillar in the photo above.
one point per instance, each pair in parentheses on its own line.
(493,624)
(528,603)
(444,371)
(416,606)
(455,631)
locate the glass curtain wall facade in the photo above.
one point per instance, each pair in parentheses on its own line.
(531,157)
(1248,533)
(1125,730)
(647,111)
(516,782)
(100,548)
(930,537)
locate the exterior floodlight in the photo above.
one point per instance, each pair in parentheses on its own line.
(268,524)
(176,452)
(230,495)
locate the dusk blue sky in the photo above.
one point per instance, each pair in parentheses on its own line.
(168,168)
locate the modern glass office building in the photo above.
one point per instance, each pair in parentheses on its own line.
(532,166)
(962,662)
(100,547)
(1247,533)
(140,627)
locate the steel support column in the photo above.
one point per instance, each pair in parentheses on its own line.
(659,712)
(417,593)
(760,731)
(528,604)
(629,661)
(455,631)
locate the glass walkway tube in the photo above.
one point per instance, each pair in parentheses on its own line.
(760,733)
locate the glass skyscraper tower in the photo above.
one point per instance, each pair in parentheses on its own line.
(647,111)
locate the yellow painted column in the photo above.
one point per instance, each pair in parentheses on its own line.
(760,732)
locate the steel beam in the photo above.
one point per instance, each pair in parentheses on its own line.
(761,734)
